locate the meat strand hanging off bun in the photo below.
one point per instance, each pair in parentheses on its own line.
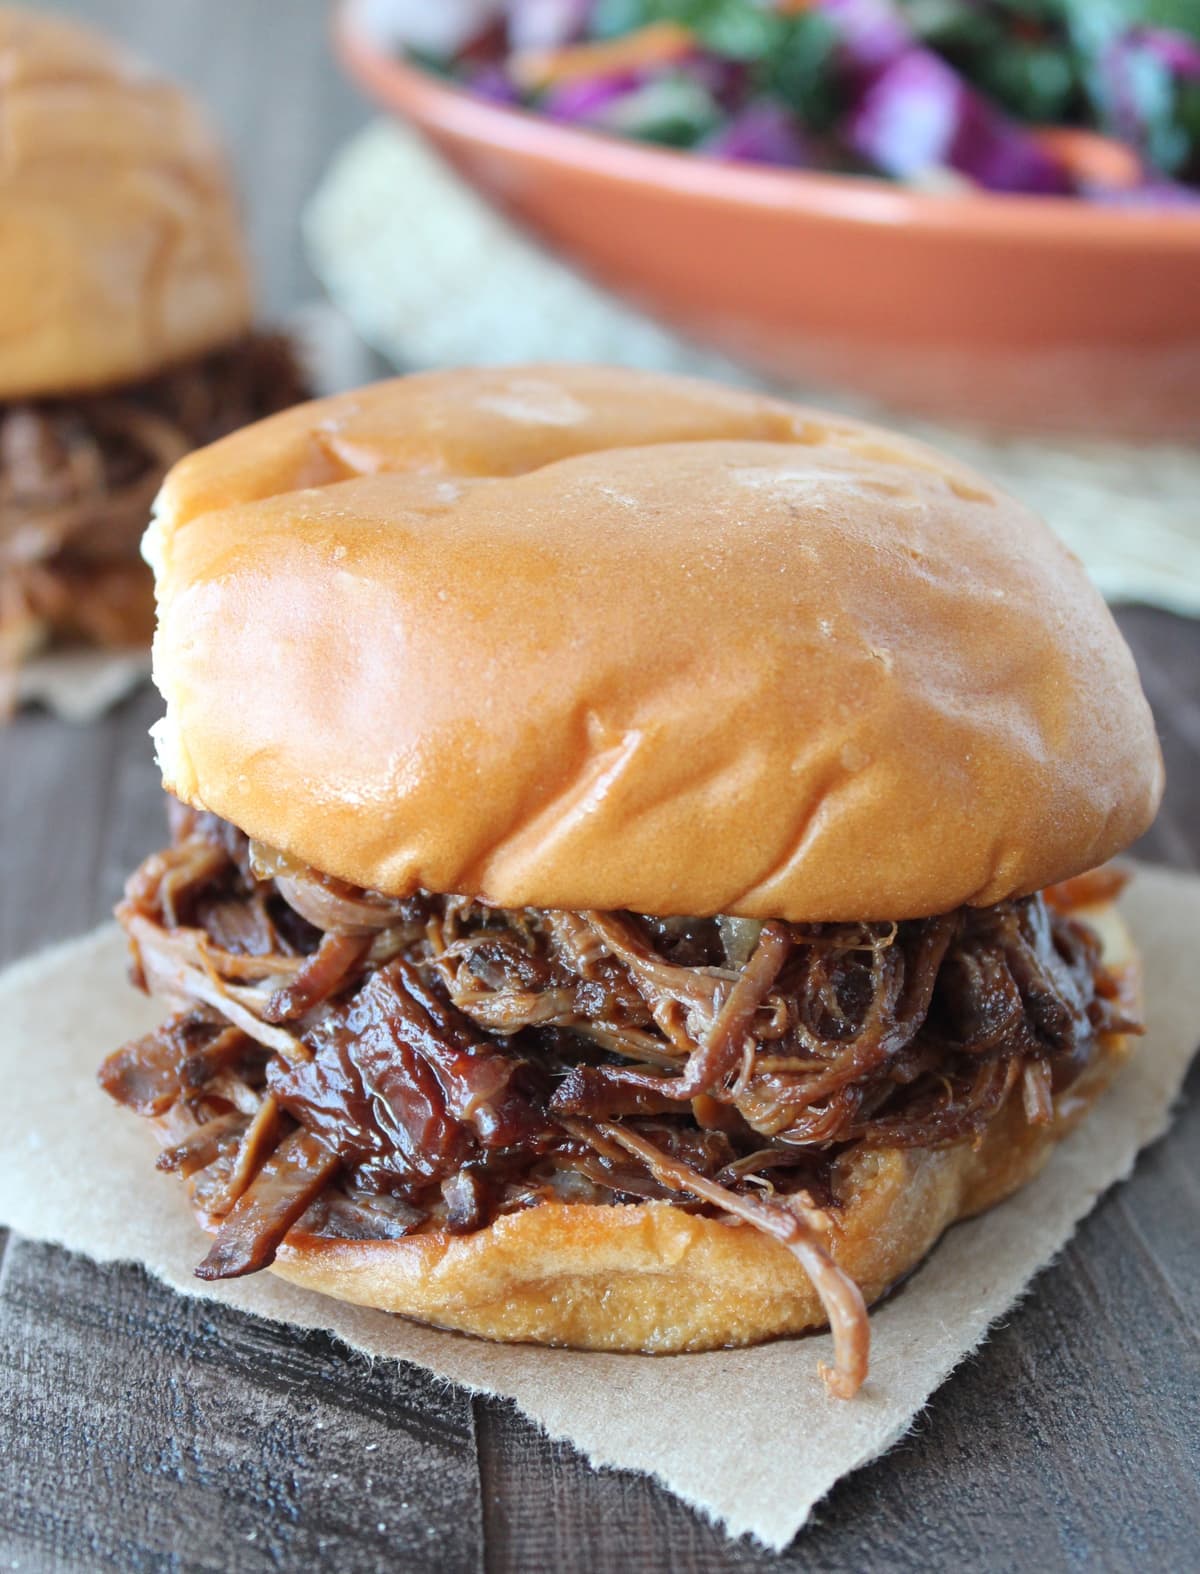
(629,883)
(125,326)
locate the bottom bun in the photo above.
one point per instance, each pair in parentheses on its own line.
(652,1277)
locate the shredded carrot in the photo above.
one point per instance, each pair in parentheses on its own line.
(1089,156)
(658,44)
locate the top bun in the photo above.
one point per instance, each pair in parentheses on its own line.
(120,250)
(585,638)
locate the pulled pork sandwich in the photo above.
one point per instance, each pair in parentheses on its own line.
(125,336)
(615,895)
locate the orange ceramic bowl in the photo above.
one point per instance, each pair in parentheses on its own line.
(1022,312)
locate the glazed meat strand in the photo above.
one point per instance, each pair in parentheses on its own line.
(403,1087)
(432,1062)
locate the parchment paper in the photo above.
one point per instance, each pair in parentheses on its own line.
(79,684)
(431,275)
(749,1437)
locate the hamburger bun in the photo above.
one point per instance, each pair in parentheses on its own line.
(590,639)
(121,250)
(652,1277)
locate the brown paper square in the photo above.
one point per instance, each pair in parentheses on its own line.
(749,1437)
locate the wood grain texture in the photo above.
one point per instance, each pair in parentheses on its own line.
(139,1431)
(186,1436)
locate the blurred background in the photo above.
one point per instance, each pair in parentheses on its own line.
(980,210)
(977,219)
(428,184)
(264,70)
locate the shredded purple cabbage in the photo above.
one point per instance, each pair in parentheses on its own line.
(919,115)
(952,96)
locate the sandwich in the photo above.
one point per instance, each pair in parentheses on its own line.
(125,328)
(638,860)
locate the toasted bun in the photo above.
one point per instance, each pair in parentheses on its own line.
(120,249)
(581,638)
(651,1277)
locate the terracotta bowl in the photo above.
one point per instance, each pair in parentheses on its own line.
(1022,312)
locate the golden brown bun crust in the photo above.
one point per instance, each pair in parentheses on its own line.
(651,1277)
(120,249)
(583,638)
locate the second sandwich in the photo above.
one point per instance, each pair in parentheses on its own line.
(125,328)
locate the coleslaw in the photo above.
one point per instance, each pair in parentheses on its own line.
(941,94)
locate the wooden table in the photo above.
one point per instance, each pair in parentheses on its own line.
(140,1431)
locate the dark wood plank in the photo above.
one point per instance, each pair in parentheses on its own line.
(79,807)
(1168,656)
(141,1431)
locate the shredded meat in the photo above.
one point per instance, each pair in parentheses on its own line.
(78,476)
(357,1066)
